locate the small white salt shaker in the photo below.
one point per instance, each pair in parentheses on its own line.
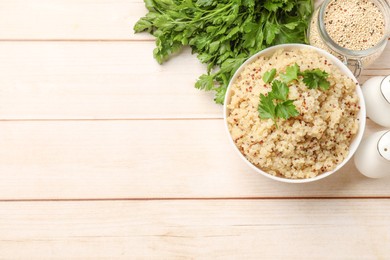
(372,158)
(376,93)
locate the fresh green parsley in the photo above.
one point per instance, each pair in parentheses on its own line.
(223,33)
(286,109)
(276,104)
(269,75)
(279,90)
(291,74)
(316,78)
(267,108)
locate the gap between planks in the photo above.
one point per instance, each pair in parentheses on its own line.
(115,119)
(200,199)
(85,40)
(111,119)
(77,40)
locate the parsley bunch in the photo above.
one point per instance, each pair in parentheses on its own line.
(275,104)
(223,33)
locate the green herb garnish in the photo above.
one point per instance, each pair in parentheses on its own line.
(276,104)
(291,74)
(279,90)
(223,33)
(316,78)
(267,108)
(269,76)
(286,109)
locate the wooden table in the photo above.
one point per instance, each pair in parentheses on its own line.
(104,153)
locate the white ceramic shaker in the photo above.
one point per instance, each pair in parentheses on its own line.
(376,93)
(372,158)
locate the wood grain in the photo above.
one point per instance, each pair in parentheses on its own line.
(242,229)
(146,159)
(87,115)
(70,19)
(85,80)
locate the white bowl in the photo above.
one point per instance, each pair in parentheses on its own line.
(361,115)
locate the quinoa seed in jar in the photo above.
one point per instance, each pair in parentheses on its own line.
(355,31)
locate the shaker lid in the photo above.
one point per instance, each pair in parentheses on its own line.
(384,146)
(385,88)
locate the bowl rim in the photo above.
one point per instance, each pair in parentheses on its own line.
(361,115)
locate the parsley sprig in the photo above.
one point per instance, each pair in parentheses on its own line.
(316,78)
(223,33)
(291,74)
(275,104)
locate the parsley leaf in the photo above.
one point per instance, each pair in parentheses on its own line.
(279,90)
(269,75)
(273,5)
(266,107)
(291,73)
(271,30)
(143,25)
(276,105)
(205,82)
(286,110)
(316,78)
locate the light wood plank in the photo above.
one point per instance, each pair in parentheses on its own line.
(266,229)
(54,80)
(152,158)
(98,80)
(71,19)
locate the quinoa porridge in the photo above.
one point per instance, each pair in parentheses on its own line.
(315,141)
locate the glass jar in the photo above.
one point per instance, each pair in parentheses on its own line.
(344,39)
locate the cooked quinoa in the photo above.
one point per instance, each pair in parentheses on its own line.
(312,143)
